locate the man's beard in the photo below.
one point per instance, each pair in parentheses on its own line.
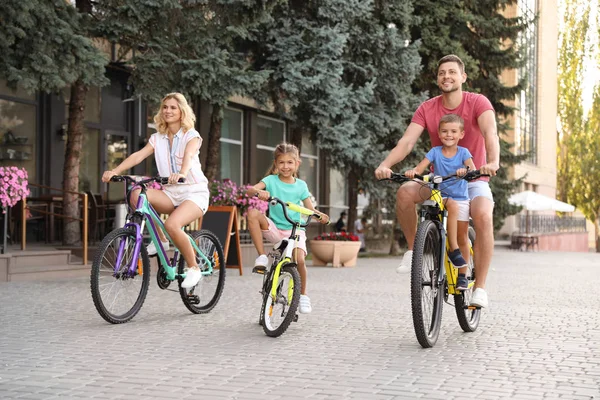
(450,90)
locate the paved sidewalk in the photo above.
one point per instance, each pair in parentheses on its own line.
(539,339)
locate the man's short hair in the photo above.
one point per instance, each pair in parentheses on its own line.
(452,118)
(452,58)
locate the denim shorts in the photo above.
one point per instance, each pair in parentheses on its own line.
(480,188)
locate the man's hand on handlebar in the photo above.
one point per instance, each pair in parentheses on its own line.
(489,169)
(383,172)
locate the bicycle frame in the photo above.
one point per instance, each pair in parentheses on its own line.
(147,213)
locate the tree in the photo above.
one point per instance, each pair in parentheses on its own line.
(342,73)
(45,48)
(192,47)
(579,139)
(485,39)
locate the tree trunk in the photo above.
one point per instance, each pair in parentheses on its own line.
(352,199)
(296,137)
(71,227)
(213,157)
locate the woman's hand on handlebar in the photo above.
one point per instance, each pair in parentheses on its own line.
(107,175)
(175,177)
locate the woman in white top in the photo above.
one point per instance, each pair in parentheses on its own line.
(176,148)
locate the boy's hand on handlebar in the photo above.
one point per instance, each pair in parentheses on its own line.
(461,172)
(383,172)
(411,173)
(107,175)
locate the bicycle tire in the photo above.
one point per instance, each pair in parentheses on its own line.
(212,249)
(467,319)
(425,273)
(103,270)
(265,292)
(289,306)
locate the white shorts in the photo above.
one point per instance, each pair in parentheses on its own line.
(274,235)
(480,188)
(197,193)
(463,209)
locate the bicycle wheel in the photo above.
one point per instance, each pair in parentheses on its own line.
(280,312)
(203,297)
(468,319)
(118,295)
(265,293)
(427,293)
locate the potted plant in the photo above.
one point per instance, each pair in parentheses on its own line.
(338,248)
(227,193)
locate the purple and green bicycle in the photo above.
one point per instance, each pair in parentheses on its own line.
(121,269)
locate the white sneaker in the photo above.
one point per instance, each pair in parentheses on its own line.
(192,277)
(151,248)
(406,263)
(305,307)
(261,261)
(480,298)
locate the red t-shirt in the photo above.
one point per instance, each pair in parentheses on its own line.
(429,113)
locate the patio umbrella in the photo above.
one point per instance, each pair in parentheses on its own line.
(532,201)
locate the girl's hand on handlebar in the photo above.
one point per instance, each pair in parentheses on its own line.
(461,172)
(410,173)
(323,218)
(107,175)
(263,195)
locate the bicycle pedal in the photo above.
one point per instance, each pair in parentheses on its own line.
(296,318)
(193,299)
(259,269)
(470,307)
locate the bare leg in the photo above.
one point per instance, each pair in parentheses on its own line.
(482,213)
(463,243)
(451,223)
(160,202)
(257,222)
(299,256)
(407,197)
(187,212)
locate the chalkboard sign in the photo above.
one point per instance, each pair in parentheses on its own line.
(222,221)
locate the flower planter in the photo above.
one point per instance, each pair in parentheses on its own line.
(338,253)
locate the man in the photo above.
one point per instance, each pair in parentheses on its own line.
(340,225)
(481,139)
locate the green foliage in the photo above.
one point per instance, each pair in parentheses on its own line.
(483,38)
(579,139)
(44,46)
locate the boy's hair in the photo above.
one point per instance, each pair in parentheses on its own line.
(452,118)
(452,58)
(281,149)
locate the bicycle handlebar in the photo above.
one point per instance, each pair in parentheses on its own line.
(294,207)
(164,180)
(401,178)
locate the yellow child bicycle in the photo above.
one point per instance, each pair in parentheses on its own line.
(433,277)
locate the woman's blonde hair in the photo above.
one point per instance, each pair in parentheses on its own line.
(283,148)
(188,118)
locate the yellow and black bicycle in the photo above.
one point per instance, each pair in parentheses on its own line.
(433,278)
(281,282)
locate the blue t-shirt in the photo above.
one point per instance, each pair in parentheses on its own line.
(453,188)
(293,192)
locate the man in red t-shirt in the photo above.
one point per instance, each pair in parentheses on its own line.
(481,139)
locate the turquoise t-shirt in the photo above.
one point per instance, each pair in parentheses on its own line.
(293,192)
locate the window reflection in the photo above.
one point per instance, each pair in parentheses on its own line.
(17,136)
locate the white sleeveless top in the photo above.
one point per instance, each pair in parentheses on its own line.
(169,158)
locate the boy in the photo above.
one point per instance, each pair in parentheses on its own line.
(448,159)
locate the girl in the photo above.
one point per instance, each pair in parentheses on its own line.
(176,146)
(281,182)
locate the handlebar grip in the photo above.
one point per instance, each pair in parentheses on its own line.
(117,178)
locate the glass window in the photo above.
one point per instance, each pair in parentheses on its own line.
(116,152)
(19,92)
(337,194)
(89,169)
(18,136)
(231,145)
(270,132)
(526,121)
(309,168)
